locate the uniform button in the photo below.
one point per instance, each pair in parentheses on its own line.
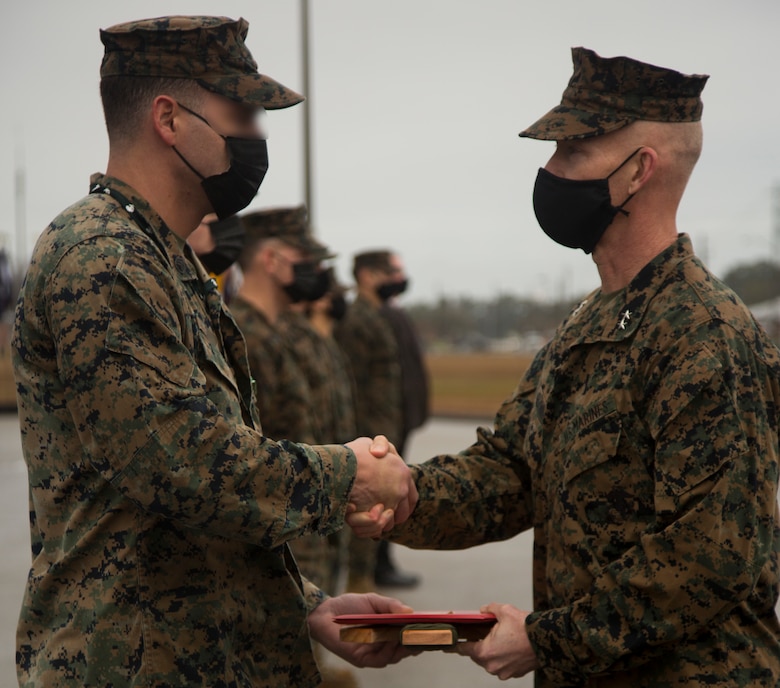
(181,265)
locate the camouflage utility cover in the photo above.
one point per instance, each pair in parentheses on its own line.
(159,512)
(605,94)
(290,225)
(209,50)
(642,448)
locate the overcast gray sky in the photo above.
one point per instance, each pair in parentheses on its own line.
(416,106)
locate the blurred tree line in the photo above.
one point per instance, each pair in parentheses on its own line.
(468,324)
(755,283)
(473,325)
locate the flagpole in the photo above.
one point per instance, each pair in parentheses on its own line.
(307,104)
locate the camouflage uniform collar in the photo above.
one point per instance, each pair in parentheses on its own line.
(177,251)
(252,307)
(362,301)
(616,316)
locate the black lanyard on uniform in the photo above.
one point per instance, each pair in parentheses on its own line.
(143,224)
(209,292)
(131,210)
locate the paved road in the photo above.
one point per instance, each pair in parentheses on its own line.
(14,541)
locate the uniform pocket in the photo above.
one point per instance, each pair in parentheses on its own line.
(605,486)
(145,325)
(604,501)
(592,439)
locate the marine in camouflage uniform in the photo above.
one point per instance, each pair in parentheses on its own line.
(338,406)
(641,447)
(369,344)
(324,366)
(314,553)
(284,396)
(159,513)
(414,387)
(336,401)
(279,243)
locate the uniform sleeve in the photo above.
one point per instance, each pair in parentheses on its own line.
(483,494)
(152,424)
(715,474)
(313,595)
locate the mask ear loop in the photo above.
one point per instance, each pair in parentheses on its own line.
(186,162)
(208,124)
(619,208)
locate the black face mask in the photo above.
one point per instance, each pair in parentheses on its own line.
(310,282)
(338,307)
(390,289)
(229,239)
(576,212)
(233,190)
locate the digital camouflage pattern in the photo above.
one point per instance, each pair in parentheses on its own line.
(284,402)
(605,94)
(321,362)
(293,383)
(209,50)
(339,425)
(159,513)
(291,225)
(642,448)
(287,408)
(308,350)
(369,345)
(340,422)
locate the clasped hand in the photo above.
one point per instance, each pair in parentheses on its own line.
(384,493)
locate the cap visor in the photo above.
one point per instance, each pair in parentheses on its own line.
(562,123)
(254,89)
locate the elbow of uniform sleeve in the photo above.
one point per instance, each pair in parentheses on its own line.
(339,469)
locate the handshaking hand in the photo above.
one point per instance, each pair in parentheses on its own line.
(384,492)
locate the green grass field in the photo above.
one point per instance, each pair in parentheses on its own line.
(462,385)
(473,385)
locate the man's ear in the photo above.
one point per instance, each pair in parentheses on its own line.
(165,114)
(267,257)
(647,161)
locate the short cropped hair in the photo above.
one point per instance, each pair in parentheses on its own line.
(126,99)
